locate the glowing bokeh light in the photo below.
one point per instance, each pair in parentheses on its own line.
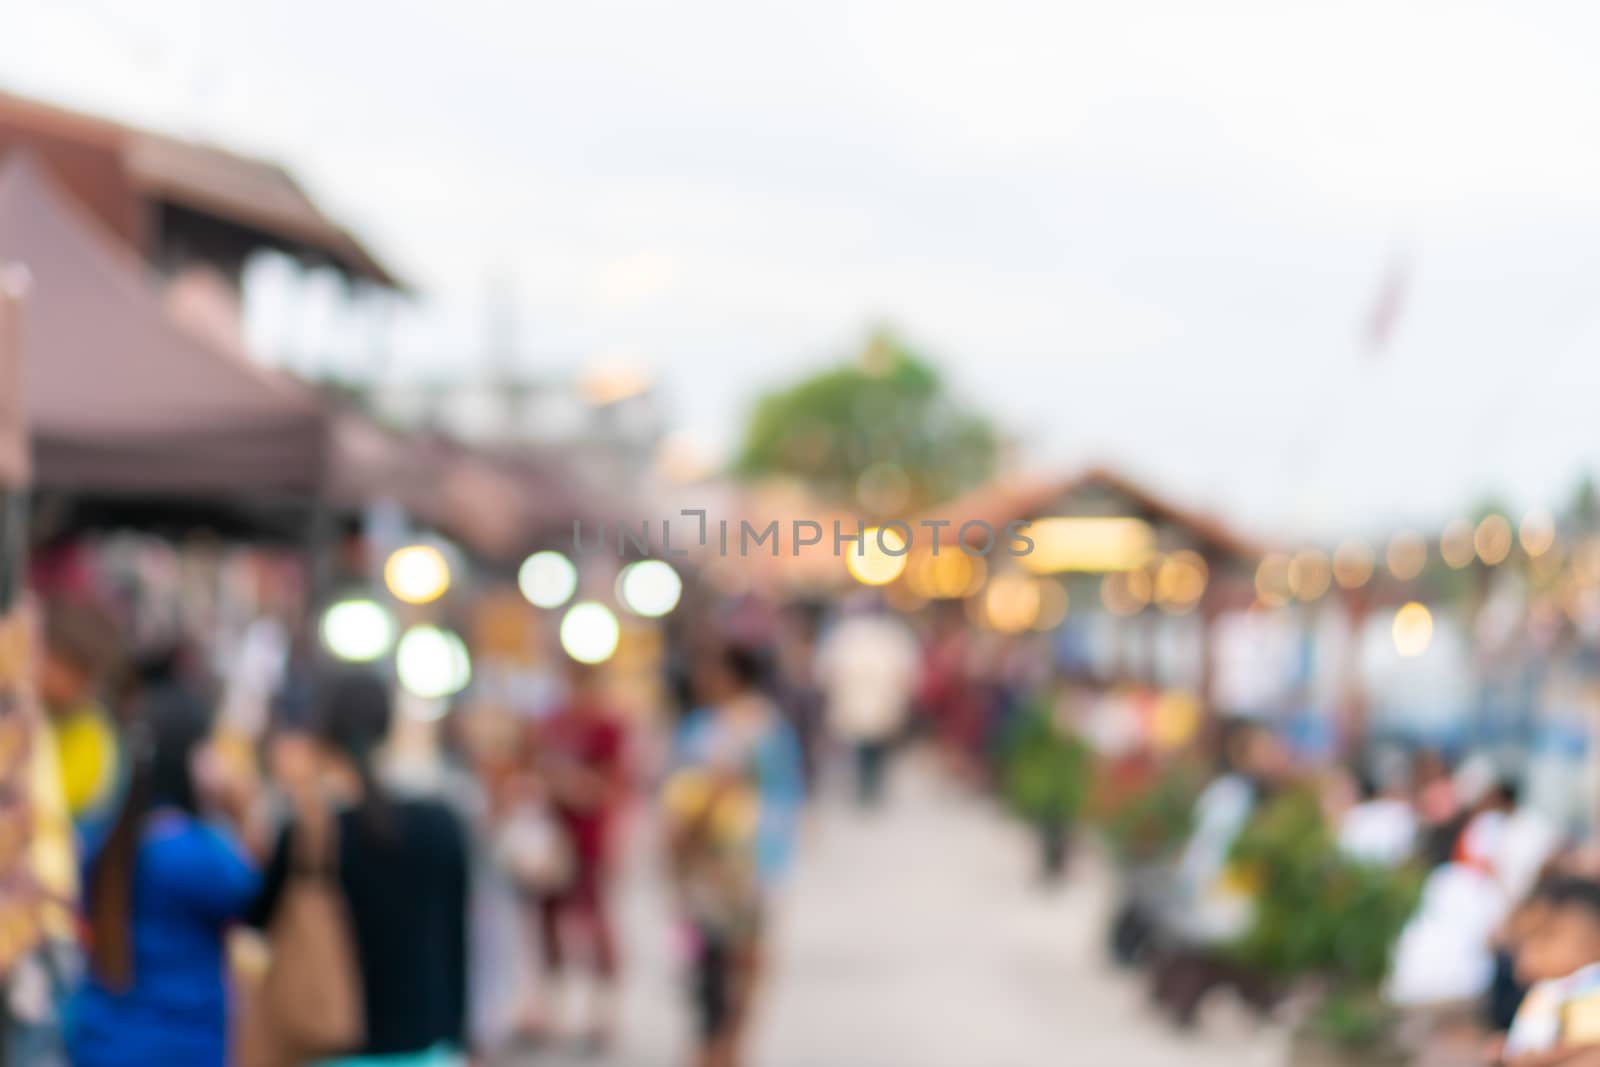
(1088,544)
(432,663)
(357,630)
(1412,629)
(590,632)
(1272,580)
(1537,533)
(1011,602)
(881,557)
(1053,605)
(547,579)
(1309,574)
(1407,555)
(946,576)
(1455,544)
(417,574)
(1181,581)
(650,587)
(1352,564)
(1492,540)
(1125,592)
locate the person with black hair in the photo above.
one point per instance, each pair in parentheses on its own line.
(1381,829)
(1559,1019)
(733,805)
(162,889)
(578,757)
(401,864)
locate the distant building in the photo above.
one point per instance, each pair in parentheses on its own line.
(604,429)
(181,203)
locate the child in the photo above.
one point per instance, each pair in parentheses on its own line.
(1560,960)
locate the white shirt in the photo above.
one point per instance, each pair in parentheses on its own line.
(1443,955)
(868,667)
(1381,832)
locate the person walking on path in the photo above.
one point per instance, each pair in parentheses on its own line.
(733,806)
(402,866)
(868,666)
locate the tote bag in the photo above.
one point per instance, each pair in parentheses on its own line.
(309,1005)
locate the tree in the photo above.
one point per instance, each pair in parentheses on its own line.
(880,432)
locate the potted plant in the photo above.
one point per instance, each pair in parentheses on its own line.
(1326,923)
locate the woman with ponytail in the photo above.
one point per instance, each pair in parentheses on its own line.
(401,864)
(161,890)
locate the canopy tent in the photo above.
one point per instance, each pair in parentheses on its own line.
(464,495)
(118,398)
(13,435)
(139,412)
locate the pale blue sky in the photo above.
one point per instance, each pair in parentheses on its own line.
(1143,233)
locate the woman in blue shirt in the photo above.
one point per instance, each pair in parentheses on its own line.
(733,805)
(160,893)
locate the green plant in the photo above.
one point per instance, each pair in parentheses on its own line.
(1319,914)
(1046,770)
(1149,817)
(1352,1019)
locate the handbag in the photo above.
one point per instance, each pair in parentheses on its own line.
(309,1005)
(532,847)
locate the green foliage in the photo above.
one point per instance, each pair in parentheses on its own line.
(1353,1019)
(1046,771)
(886,416)
(1317,912)
(1153,818)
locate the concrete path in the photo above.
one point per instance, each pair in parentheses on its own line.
(916,937)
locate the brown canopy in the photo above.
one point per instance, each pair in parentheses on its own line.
(440,483)
(13,435)
(118,398)
(121,400)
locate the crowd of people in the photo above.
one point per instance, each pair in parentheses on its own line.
(440,914)
(1496,961)
(313,895)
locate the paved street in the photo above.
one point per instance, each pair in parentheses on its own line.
(915,938)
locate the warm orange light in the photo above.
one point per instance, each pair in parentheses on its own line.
(881,557)
(1492,540)
(946,576)
(1309,574)
(1413,629)
(1272,580)
(1052,605)
(1352,564)
(1181,581)
(1011,602)
(1455,545)
(1538,533)
(1125,592)
(1407,555)
(1092,545)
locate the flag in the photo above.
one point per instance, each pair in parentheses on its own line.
(1389,304)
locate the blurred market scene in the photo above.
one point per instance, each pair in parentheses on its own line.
(886,536)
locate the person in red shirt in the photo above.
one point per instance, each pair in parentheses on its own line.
(579,758)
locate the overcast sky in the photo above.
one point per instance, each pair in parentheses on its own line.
(1149,234)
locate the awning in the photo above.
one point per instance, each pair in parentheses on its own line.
(13,432)
(118,398)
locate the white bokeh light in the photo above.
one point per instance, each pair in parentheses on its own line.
(358,630)
(432,663)
(650,587)
(589,632)
(547,579)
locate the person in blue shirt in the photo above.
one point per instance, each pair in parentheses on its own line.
(161,890)
(733,807)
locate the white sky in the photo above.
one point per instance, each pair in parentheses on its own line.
(1135,232)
